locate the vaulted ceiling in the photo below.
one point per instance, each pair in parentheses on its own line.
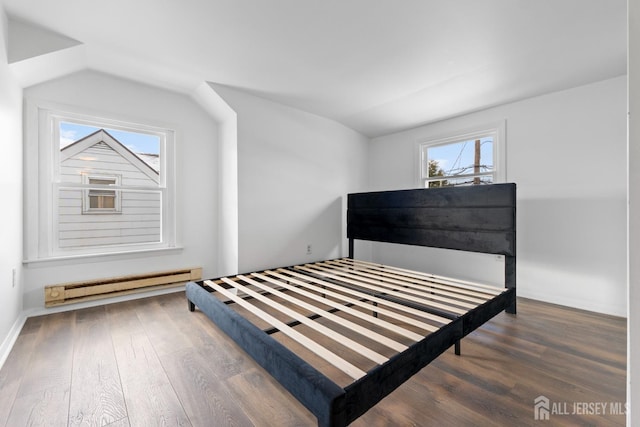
(377,66)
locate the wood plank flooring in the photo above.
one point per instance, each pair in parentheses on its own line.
(151,362)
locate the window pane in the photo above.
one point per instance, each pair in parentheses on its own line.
(95,215)
(137,222)
(461,158)
(92,148)
(102,201)
(102,181)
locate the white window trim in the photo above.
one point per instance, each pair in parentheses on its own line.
(40,160)
(496,130)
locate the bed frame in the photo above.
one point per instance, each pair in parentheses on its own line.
(474,218)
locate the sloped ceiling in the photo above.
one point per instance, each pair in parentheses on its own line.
(377,66)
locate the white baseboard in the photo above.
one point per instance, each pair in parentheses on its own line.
(587,305)
(11,338)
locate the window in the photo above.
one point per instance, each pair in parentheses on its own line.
(471,158)
(98,198)
(103,186)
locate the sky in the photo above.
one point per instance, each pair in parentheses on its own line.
(136,142)
(452,157)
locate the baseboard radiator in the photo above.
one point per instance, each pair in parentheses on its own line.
(69,293)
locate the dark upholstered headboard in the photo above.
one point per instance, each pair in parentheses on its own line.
(479,218)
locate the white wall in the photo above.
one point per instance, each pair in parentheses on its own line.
(567,153)
(294,168)
(11,185)
(633,321)
(196,172)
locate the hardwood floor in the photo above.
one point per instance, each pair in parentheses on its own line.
(152,362)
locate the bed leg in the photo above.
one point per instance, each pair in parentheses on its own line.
(457,348)
(192,306)
(510,279)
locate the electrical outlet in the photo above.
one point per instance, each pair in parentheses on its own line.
(309,249)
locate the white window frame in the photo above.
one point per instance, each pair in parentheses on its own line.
(495,130)
(41,167)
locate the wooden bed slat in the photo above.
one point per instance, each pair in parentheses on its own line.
(493,290)
(445,289)
(346,367)
(339,338)
(342,321)
(364,316)
(386,291)
(379,301)
(406,286)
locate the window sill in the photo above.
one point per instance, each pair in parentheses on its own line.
(97,257)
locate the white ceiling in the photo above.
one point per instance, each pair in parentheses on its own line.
(377,66)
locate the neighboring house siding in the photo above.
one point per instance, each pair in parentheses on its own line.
(140,211)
